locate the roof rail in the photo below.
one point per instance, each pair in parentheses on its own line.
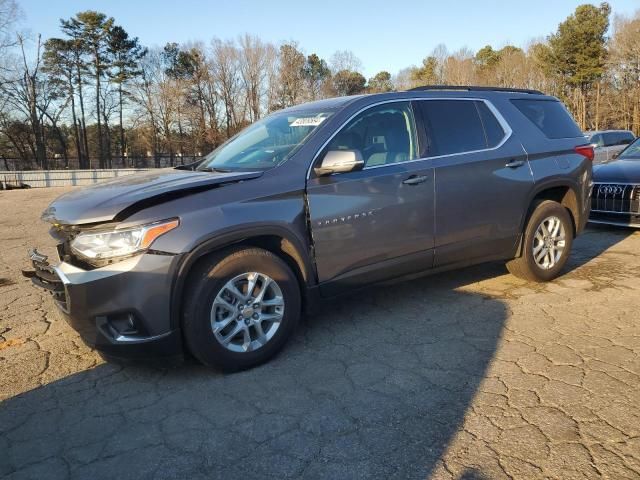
(472,88)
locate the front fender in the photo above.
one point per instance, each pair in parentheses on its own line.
(299,251)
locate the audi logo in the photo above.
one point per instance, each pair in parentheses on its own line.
(610,189)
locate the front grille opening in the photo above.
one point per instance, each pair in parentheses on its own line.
(615,198)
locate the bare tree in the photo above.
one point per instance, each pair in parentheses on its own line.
(10,14)
(146,94)
(459,68)
(403,79)
(28,93)
(186,99)
(345,60)
(624,70)
(254,57)
(226,71)
(290,75)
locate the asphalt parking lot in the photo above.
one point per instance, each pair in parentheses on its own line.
(471,374)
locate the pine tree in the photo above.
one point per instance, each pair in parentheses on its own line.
(90,29)
(125,54)
(578,52)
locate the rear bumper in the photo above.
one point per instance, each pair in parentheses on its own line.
(122,310)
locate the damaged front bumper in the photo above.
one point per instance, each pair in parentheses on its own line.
(48,277)
(122,310)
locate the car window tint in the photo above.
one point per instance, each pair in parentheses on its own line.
(492,128)
(610,139)
(597,140)
(383,134)
(626,138)
(453,126)
(550,116)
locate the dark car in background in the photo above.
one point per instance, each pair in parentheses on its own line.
(607,144)
(615,199)
(312,201)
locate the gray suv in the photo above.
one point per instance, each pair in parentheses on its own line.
(219,259)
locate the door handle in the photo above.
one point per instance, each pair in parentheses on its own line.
(415,179)
(515,163)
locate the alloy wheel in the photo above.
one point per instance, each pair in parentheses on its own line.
(247,312)
(549,243)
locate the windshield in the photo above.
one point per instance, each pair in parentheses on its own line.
(265,144)
(632,152)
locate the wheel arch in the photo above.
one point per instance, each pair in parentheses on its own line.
(563,192)
(277,240)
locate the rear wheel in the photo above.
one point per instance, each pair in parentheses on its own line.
(241,307)
(547,243)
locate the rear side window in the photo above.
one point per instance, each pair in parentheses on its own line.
(453,126)
(550,116)
(611,139)
(625,138)
(492,128)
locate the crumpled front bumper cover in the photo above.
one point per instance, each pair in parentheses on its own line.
(44,276)
(122,310)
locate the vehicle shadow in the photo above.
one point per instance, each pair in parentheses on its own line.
(593,242)
(373,386)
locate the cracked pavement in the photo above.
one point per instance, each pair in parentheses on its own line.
(472,374)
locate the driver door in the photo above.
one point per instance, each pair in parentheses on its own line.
(376,223)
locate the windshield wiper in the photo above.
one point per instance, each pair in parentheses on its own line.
(214,169)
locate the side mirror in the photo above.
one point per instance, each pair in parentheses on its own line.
(340,161)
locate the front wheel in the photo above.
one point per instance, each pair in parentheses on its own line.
(241,307)
(546,245)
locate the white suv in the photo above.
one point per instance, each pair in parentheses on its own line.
(608,143)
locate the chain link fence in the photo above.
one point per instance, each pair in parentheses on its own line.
(60,178)
(59,163)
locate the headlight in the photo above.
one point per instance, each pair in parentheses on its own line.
(119,242)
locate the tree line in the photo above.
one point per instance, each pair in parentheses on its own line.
(94,97)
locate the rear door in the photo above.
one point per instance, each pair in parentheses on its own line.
(483,180)
(376,223)
(550,136)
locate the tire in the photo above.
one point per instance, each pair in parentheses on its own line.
(210,302)
(544,270)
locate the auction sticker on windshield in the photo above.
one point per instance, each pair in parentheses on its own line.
(307,121)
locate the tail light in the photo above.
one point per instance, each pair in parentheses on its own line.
(585,151)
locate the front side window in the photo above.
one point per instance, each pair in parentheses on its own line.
(266,143)
(453,126)
(384,134)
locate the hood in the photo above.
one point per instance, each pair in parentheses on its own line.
(618,171)
(118,198)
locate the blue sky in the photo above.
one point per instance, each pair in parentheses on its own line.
(387,34)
